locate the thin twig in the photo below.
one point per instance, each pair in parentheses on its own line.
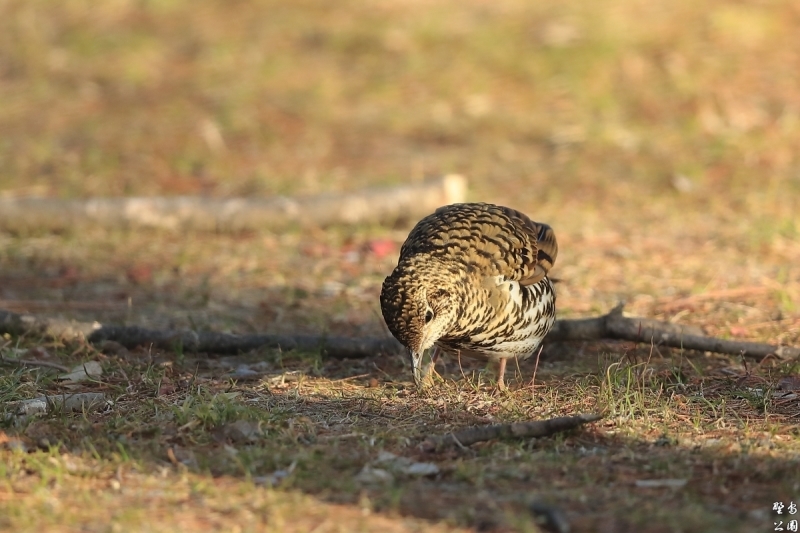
(340,380)
(458,442)
(535,367)
(199,213)
(520,430)
(32,362)
(326,438)
(461,368)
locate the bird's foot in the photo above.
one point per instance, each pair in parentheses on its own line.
(429,373)
(501,372)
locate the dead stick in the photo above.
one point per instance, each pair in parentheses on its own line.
(30,362)
(610,326)
(615,325)
(518,430)
(198,213)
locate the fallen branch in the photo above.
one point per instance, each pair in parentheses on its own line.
(191,341)
(33,362)
(211,342)
(613,325)
(519,430)
(380,205)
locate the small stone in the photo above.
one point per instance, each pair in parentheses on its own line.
(12,443)
(242,431)
(421,469)
(274,478)
(550,517)
(370,475)
(405,466)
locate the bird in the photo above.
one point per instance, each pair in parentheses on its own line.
(472,278)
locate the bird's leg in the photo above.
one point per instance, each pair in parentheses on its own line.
(460,368)
(429,370)
(435,355)
(501,371)
(536,366)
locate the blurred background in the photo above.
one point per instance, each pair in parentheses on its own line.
(660,140)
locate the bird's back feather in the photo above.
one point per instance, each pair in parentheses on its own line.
(493,239)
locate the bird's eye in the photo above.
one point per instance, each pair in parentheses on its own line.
(428,316)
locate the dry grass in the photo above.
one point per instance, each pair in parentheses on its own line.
(173,440)
(659,139)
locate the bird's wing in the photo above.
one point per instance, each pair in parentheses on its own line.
(495,240)
(538,251)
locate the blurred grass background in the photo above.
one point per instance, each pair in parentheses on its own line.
(533,101)
(660,139)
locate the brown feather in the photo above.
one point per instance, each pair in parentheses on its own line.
(473,277)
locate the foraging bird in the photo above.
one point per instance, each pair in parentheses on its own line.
(472,278)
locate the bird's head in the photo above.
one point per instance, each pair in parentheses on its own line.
(418,311)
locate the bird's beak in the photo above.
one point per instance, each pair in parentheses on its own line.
(421,372)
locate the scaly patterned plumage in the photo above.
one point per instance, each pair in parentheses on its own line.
(472,278)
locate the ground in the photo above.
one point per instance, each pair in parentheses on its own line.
(658,139)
